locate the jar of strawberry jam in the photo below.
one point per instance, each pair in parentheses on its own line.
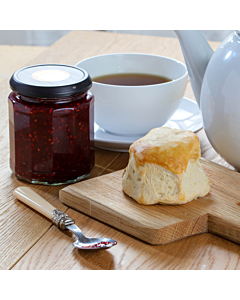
(51,118)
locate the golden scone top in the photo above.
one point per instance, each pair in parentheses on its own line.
(170,148)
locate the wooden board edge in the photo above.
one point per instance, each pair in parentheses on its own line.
(154,236)
(228,229)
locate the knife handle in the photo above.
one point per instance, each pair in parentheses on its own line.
(34,200)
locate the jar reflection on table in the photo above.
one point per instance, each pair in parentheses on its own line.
(51,139)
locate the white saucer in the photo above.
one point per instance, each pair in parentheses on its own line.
(186,117)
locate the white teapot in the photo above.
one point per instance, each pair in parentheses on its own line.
(215,79)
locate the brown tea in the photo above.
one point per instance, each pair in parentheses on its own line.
(131,79)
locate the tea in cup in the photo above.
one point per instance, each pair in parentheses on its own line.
(135,92)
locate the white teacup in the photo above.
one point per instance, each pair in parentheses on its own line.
(134,110)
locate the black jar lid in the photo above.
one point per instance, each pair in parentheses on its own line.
(50,81)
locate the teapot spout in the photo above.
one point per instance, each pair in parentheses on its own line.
(197,53)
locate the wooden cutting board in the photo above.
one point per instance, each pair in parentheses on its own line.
(219,212)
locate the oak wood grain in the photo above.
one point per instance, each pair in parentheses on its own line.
(199,252)
(103,198)
(38,245)
(13,58)
(21,227)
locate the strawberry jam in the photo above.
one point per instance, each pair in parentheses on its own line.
(51,137)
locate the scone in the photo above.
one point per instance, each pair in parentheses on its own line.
(164,168)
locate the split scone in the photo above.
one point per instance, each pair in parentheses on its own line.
(164,168)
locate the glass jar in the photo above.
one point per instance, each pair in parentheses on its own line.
(51,118)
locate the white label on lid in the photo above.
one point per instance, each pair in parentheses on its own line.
(50,75)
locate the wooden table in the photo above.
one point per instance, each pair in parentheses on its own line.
(30,241)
